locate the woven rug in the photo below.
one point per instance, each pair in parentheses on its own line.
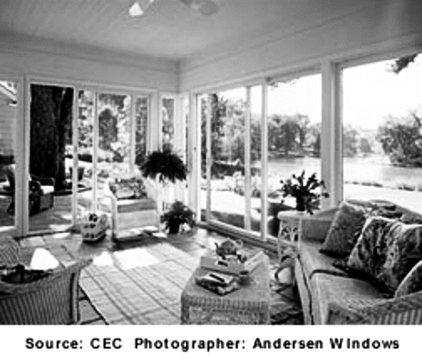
(143,286)
(140,285)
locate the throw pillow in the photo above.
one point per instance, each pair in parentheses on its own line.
(344,230)
(132,188)
(403,251)
(369,254)
(412,282)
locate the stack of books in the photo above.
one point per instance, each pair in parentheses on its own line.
(219,283)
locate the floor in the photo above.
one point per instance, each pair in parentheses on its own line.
(195,243)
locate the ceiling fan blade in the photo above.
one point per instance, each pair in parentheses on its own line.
(204,7)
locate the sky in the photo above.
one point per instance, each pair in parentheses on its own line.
(370,93)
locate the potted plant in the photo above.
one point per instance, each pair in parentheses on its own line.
(306,191)
(178,214)
(164,165)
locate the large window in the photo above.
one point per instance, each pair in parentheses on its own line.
(294,137)
(233,164)
(382,134)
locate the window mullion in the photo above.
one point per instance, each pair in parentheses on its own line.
(247,174)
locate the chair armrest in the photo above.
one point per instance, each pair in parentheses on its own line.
(55,277)
(403,310)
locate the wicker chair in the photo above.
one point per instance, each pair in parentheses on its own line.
(50,300)
(41,192)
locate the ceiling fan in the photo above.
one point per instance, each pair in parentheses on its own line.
(204,7)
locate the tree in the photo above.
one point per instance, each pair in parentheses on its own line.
(401,139)
(365,146)
(303,129)
(401,63)
(51,130)
(350,141)
(283,131)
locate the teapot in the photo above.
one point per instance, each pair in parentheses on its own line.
(228,247)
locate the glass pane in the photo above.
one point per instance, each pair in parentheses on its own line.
(141,120)
(8,124)
(255,155)
(202,115)
(382,135)
(113,155)
(50,194)
(85,150)
(168,110)
(228,156)
(294,131)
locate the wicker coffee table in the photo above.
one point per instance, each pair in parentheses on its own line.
(247,305)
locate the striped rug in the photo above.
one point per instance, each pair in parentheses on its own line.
(139,285)
(143,286)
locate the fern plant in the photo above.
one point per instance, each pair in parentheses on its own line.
(165,164)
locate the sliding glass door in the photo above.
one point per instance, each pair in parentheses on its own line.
(245,156)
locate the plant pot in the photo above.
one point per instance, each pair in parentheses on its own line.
(173,227)
(300,204)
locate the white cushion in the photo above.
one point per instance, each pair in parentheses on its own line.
(47,189)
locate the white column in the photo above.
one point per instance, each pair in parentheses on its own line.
(331,135)
(21,154)
(194,156)
(264,162)
(247,162)
(75,159)
(153,129)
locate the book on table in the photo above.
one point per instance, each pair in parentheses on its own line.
(218,282)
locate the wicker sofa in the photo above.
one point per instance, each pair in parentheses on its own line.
(330,295)
(50,300)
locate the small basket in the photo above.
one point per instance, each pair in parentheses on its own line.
(94,228)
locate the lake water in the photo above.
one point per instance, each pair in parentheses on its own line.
(374,169)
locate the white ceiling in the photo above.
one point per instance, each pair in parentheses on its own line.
(169,29)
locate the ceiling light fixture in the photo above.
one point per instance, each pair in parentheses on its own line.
(138,8)
(135,10)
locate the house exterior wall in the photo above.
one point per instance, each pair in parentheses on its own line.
(379,27)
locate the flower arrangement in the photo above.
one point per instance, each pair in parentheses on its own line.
(177,215)
(306,191)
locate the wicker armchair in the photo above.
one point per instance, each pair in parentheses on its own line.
(50,300)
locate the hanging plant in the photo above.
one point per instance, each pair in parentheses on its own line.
(165,164)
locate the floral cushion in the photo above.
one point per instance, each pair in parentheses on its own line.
(348,223)
(412,282)
(368,255)
(344,230)
(131,188)
(386,250)
(403,251)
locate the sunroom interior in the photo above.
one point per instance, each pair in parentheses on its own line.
(218,88)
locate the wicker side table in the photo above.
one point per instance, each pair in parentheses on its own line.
(289,235)
(247,305)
